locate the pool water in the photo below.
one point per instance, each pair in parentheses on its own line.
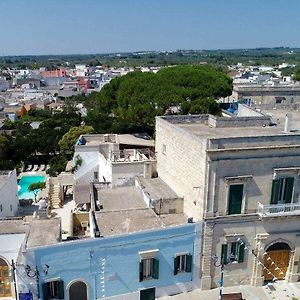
(25,182)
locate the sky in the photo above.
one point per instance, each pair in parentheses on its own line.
(104,26)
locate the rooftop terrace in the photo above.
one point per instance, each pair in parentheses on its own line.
(236,132)
(126,139)
(124,211)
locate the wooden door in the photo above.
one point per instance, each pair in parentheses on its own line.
(5,282)
(281,260)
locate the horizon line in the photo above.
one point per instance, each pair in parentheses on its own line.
(151,51)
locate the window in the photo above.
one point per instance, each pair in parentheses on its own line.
(1,208)
(232,252)
(164,149)
(53,290)
(282,190)
(149,269)
(235,199)
(183,263)
(11,207)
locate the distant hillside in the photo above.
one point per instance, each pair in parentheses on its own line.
(222,58)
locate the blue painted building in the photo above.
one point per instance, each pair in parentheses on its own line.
(140,265)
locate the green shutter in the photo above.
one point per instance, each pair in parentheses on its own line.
(141,271)
(189,263)
(46,295)
(176,265)
(60,290)
(241,252)
(289,186)
(275,191)
(224,254)
(155,268)
(235,199)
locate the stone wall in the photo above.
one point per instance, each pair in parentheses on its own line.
(181,164)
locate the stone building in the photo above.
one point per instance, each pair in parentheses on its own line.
(280,94)
(240,175)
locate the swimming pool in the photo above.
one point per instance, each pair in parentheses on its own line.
(25,182)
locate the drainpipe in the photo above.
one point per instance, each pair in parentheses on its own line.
(14,279)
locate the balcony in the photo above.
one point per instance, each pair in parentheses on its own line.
(132,155)
(278,210)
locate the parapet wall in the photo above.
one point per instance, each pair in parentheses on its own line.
(255,121)
(221,122)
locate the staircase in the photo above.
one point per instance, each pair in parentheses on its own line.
(54,193)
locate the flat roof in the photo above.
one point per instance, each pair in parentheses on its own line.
(134,139)
(212,127)
(124,211)
(82,193)
(119,198)
(203,130)
(40,232)
(13,226)
(44,232)
(157,189)
(127,220)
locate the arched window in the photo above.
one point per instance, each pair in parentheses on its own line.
(78,291)
(5,279)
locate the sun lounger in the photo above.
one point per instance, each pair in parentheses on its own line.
(29,168)
(42,168)
(35,168)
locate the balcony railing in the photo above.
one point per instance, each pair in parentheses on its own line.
(132,155)
(274,210)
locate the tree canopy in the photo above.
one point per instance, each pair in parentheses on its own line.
(131,102)
(297,74)
(67,142)
(35,187)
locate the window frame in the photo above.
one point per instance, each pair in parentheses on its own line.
(59,291)
(243,204)
(282,190)
(149,265)
(183,263)
(227,252)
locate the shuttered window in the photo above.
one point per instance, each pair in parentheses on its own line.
(232,252)
(149,269)
(282,190)
(224,255)
(235,199)
(183,263)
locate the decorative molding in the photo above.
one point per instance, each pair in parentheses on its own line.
(242,178)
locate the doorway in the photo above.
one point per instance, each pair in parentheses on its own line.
(78,291)
(5,279)
(147,294)
(277,261)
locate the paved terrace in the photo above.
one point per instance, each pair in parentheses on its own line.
(125,139)
(125,211)
(235,132)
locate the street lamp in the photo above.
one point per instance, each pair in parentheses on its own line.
(215,259)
